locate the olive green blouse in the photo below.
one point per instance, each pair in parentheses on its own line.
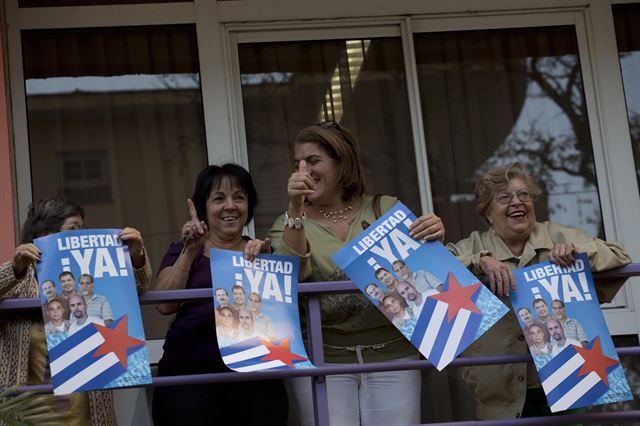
(348,320)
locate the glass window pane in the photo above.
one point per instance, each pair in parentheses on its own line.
(627,22)
(492,97)
(359,83)
(53,3)
(116,123)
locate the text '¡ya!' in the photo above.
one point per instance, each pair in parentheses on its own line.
(96,255)
(560,282)
(264,277)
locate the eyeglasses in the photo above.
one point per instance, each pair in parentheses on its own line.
(71,227)
(505,198)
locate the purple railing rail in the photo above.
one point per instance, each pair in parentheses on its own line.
(318,375)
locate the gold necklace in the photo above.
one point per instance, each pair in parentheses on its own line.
(335,215)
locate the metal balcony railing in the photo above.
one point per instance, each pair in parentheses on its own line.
(313,291)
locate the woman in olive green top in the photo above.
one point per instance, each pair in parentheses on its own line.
(327,207)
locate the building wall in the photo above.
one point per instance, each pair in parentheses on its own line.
(8,226)
(223,27)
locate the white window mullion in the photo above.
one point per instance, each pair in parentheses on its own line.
(281,10)
(214,83)
(18,112)
(538,18)
(415,109)
(239,136)
(609,126)
(274,32)
(613,155)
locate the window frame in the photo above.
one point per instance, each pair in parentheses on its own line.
(238,34)
(219,24)
(602,83)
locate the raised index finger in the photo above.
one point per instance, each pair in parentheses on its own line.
(192,210)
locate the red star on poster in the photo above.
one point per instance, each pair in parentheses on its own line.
(116,340)
(458,297)
(281,352)
(595,360)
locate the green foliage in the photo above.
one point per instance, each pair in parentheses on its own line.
(29,408)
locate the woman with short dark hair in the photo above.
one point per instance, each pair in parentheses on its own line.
(22,333)
(223,202)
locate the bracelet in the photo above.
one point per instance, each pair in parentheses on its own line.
(294,222)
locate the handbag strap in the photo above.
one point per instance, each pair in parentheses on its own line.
(377,211)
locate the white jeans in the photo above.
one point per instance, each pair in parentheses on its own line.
(382,398)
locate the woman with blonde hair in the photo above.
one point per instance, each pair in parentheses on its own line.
(505,198)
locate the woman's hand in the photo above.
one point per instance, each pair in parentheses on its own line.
(562,254)
(500,276)
(427,227)
(195,231)
(299,186)
(255,247)
(133,238)
(25,255)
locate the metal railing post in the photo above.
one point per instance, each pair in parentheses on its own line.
(318,383)
(318,376)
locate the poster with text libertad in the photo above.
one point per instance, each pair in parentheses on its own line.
(91,312)
(435,302)
(561,319)
(256,311)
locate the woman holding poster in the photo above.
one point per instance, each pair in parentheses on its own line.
(24,334)
(328,206)
(505,198)
(223,202)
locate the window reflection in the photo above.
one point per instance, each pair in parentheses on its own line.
(498,96)
(140,82)
(345,73)
(627,23)
(116,123)
(360,83)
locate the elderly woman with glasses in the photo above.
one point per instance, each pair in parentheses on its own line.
(505,198)
(23,352)
(328,206)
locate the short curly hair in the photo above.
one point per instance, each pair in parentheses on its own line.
(498,179)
